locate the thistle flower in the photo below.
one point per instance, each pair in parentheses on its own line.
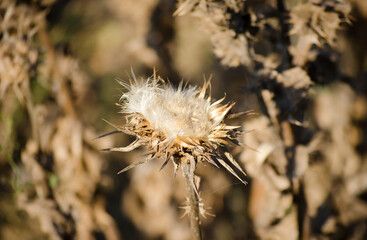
(181,125)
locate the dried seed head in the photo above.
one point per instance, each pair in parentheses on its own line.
(173,112)
(181,124)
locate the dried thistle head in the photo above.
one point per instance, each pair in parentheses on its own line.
(178,124)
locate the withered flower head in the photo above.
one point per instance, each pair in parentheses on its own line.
(181,125)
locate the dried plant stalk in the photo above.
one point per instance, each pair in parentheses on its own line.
(193,201)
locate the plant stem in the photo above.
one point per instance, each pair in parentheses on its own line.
(193,202)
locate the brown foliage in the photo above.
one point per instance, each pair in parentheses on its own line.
(300,64)
(60,167)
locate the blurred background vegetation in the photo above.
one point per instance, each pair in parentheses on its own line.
(301,65)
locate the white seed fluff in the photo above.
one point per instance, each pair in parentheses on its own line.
(175,112)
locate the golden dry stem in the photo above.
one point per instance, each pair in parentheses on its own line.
(193,201)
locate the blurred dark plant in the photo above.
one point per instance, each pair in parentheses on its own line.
(54,165)
(291,49)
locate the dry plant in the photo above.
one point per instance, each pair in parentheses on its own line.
(290,60)
(56,166)
(291,52)
(182,126)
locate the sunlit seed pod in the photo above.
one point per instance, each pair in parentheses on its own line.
(181,124)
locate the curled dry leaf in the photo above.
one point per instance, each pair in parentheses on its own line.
(18,53)
(312,25)
(230,47)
